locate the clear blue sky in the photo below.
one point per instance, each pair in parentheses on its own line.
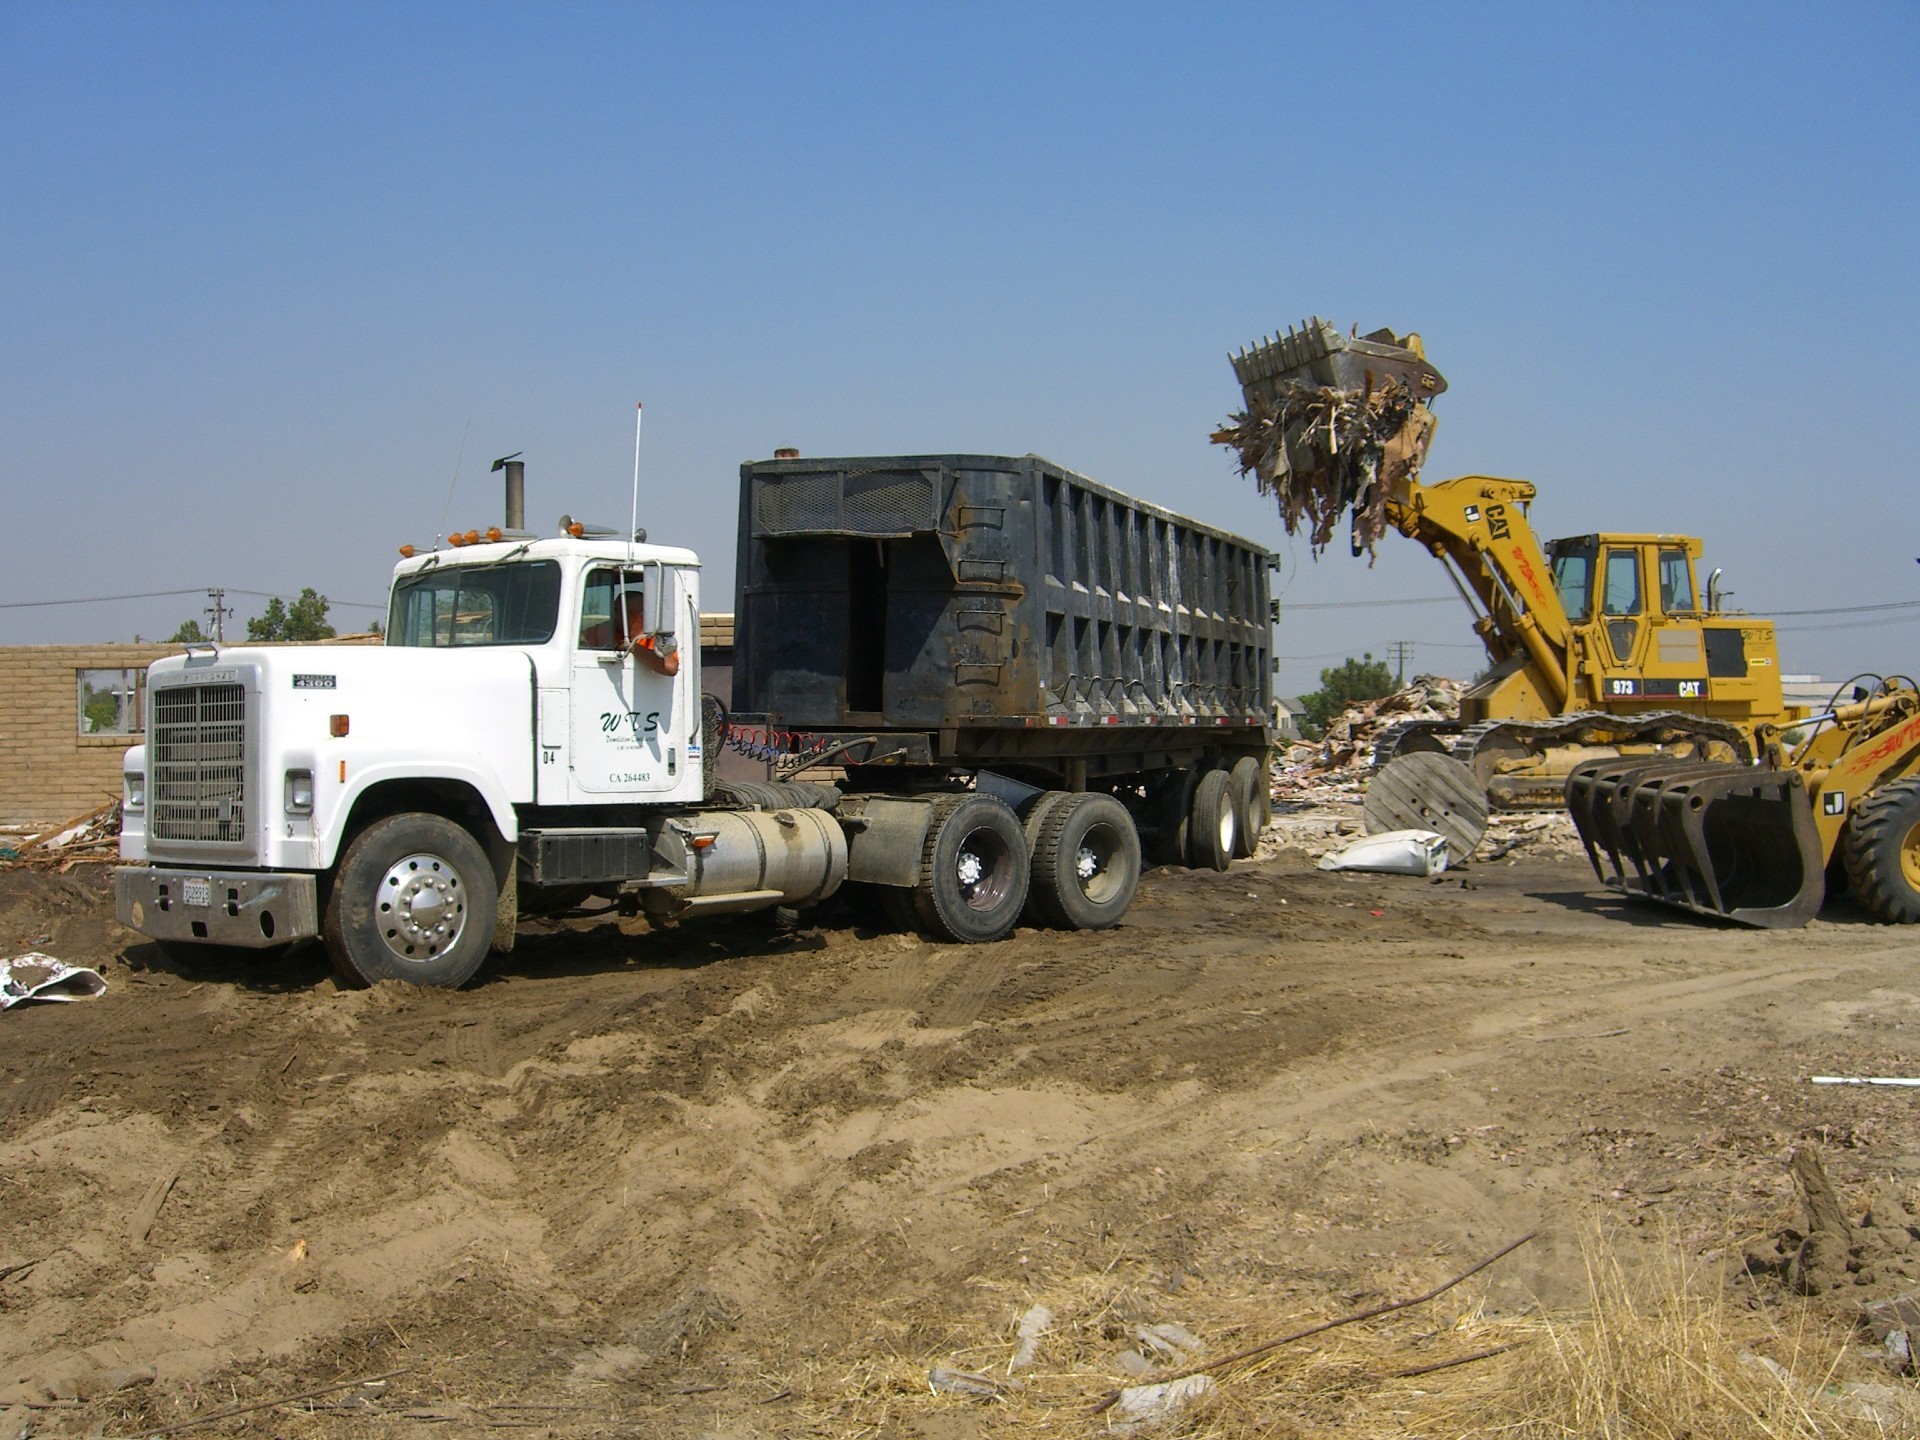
(264,265)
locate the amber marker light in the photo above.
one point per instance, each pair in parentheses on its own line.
(473,537)
(337,726)
(493,534)
(576,530)
(406,552)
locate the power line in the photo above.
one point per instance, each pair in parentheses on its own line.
(194,590)
(1369,604)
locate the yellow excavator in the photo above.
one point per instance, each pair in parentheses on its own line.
(1653,711)
(1602,646)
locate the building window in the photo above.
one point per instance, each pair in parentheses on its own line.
(109,701)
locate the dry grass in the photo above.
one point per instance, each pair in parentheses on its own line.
(1658,1353)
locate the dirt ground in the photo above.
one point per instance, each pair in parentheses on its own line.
(737,1181)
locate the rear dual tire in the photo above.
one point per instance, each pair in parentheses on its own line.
(973,870)
(1086,861)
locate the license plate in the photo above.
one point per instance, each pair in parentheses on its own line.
(197,892)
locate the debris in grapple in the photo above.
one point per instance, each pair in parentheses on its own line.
(1331,422)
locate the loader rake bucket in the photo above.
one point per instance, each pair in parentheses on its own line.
(1729,841)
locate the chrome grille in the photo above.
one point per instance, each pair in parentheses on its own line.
(197,750)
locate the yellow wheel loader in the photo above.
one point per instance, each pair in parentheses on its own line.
(1601,646)
(1835,802)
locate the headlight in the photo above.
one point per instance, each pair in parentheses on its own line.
(133,789)
(299,792)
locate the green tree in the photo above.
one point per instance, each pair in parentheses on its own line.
(1342,685)
(305,619)
(188,633)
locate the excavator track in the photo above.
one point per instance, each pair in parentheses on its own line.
(1499,751)
(1408,737)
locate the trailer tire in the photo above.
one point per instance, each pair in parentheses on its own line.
(1086,863)
(973,870)
(1172,812)
(414,899)
(1212,830)
(1252,803)
(1883,852)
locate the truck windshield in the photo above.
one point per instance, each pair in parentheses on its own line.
(477,605)
(1573,577)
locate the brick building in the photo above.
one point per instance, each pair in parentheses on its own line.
(69,712)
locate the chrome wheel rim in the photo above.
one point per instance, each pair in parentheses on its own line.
(421,910)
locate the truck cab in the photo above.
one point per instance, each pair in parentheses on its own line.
(515,683)
(611,726)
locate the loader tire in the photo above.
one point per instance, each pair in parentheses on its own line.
(1212,829)
(973,870)
(414,900)
(1883,852)
(1086,863)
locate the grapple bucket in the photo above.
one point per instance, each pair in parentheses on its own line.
(1723,840)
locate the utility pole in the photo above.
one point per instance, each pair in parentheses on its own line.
(1402,652)
(218,612)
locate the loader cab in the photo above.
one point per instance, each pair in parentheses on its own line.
(1635,597)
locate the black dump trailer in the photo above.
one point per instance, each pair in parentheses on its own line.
(1006,624)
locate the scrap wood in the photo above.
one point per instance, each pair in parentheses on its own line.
(94,835)
(140,1223)
(1255,1351)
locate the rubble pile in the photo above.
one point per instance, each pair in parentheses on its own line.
(1343,758)
(89,837)
(1319,785)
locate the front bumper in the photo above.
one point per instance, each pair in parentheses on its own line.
(250,908)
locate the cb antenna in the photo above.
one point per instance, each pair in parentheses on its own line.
(459,455)
(633,522)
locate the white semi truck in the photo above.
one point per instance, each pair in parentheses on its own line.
(523,734)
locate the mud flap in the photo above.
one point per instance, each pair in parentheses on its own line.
(1728,841)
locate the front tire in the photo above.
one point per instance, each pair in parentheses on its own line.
(973,870)
(414,899)
(1883,852)
(1086,863)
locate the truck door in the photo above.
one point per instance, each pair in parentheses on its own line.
(627,731)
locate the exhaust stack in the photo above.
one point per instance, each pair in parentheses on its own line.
(516,469)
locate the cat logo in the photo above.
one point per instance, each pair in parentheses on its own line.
(1689,689)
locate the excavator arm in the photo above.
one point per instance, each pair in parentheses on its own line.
(1477,527)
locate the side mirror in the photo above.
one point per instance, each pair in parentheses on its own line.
(658,587)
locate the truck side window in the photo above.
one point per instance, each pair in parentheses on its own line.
(606,606)
(1676,583)
(1621,595)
